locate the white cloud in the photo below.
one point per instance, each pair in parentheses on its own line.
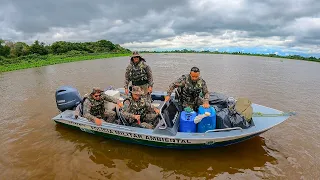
(194,41)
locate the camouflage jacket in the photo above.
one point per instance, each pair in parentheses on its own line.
(138,72)
(190,90)
(140,107)
(95,109)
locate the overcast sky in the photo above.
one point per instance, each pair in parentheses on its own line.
(289,25)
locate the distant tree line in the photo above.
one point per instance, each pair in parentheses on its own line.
(311,58)
(15,52)
(10,49)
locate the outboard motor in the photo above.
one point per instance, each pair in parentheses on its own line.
(67,98)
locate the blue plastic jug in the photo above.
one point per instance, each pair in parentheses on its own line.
(186,122)
(209,122)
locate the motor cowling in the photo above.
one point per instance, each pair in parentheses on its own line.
(67,98)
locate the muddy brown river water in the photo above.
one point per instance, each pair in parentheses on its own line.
(35,147)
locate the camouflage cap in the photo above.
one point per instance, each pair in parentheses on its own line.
(96,90)
(135,54)
(136,90)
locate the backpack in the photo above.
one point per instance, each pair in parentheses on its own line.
(79,109)
(243,107)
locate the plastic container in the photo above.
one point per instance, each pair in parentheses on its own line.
(209,122)
(186,122)
(113,93)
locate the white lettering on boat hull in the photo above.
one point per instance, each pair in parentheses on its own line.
(93,129)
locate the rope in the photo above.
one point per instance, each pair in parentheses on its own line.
(259,114)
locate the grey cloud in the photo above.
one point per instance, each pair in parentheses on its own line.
(123,21)
(315,40)
(257,17)
(38,15)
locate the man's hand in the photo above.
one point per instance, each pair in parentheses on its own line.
(150,89)
(98,121)
(126,91)
(157,110)
(120,104)
(167,98)
(206,105)
(137,117)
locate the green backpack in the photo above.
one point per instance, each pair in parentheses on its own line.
(244,108)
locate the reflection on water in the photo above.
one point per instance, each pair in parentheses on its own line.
(207,163)
(34,147)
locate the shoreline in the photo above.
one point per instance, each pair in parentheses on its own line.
(45,60)
(292,57)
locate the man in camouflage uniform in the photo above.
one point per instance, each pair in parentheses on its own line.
(140,74)
(192,90)
(137,109)
(94,107)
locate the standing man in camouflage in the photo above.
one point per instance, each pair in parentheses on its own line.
(140,74)
(94,107)
(192,90)
(138,110)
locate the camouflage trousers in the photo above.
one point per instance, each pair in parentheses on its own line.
(150,121)
(110,117)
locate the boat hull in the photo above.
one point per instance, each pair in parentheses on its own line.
(162,138)
(147,138)
(157,144)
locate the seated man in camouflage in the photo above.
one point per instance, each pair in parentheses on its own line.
(94,107)
(192,89)
(140,111)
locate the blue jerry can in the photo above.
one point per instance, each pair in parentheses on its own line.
(209,122)
(186,122)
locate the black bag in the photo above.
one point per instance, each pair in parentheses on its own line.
(239,121)
(224,117)
(218,101)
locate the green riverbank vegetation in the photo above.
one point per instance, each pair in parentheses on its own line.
(19,55)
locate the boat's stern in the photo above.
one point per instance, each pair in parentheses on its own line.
(67,114)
